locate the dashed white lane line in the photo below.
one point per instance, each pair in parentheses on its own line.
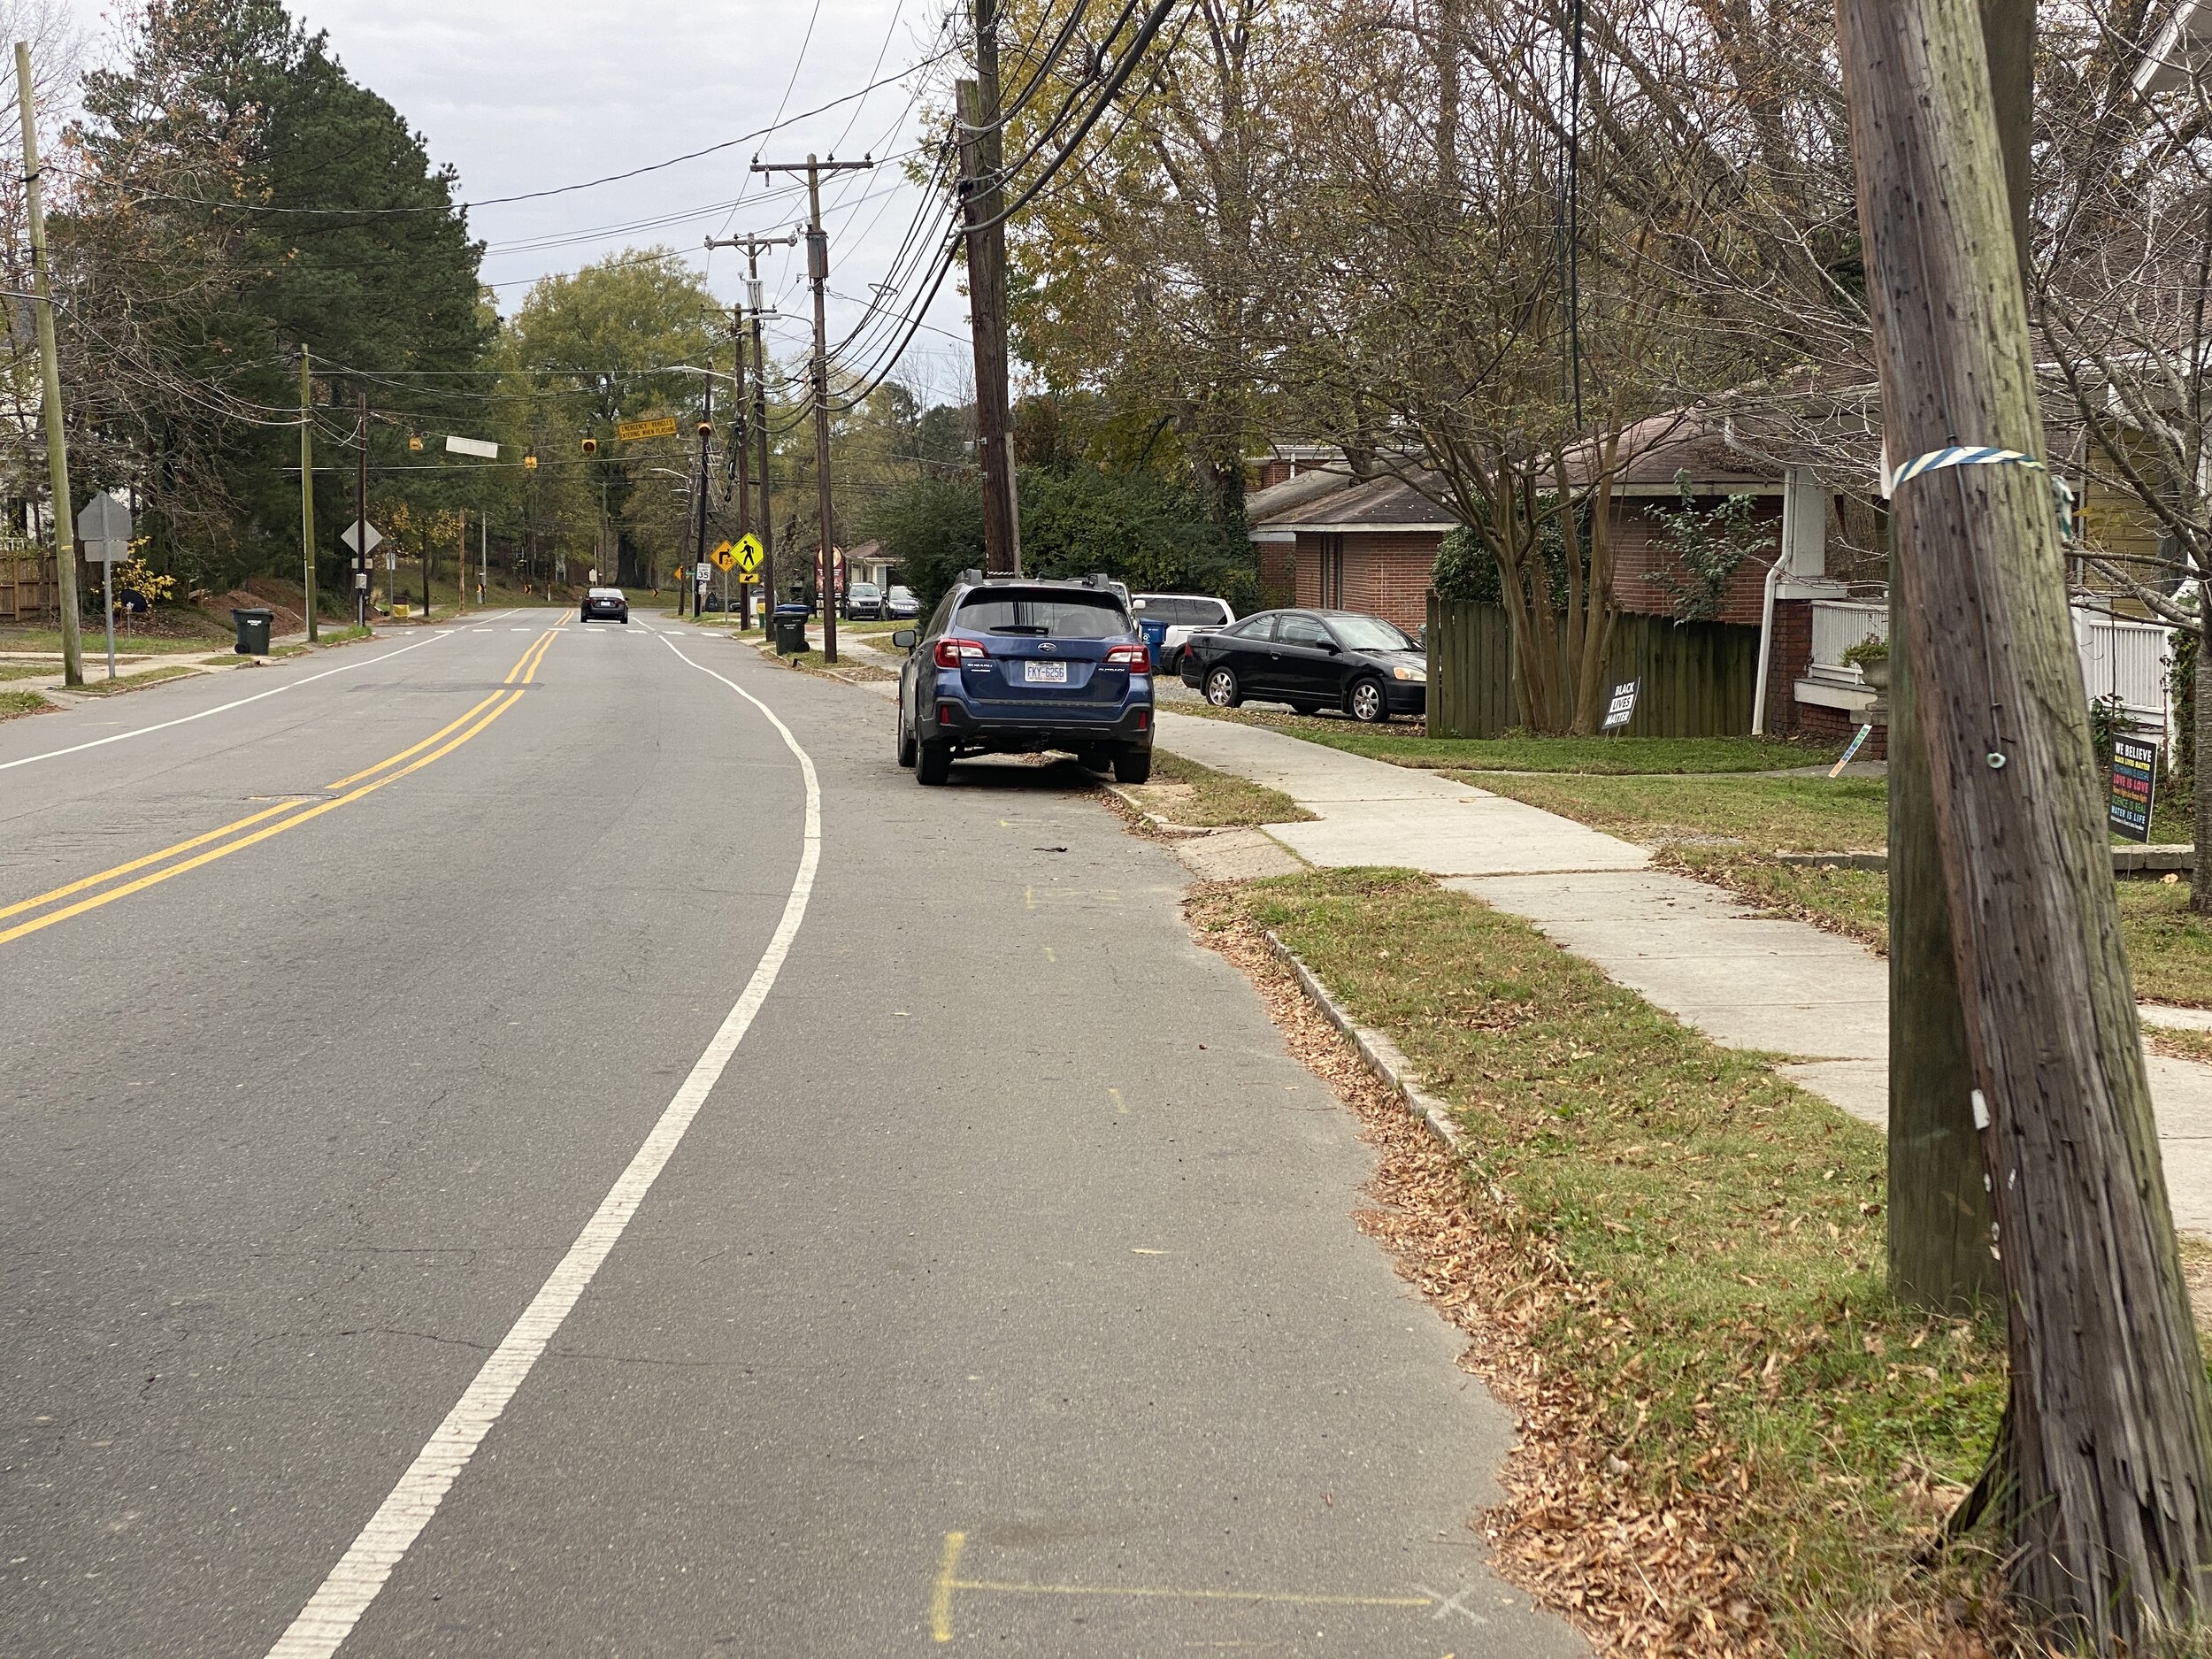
(222,707)
(331,1614)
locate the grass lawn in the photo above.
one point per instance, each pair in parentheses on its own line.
(1767,814)
(1726,830)
(94,642)
(1407,745)
(28,670)
(15,703)
(1694,1250)
(1184,792)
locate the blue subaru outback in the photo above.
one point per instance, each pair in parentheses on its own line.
(1011,665)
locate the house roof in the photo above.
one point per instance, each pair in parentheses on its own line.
(1692,440)
(1380,503)
(1262,507)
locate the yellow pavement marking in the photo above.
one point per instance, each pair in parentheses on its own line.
(371,771)
(1048,955)
(259,836)
(947,1581)
(21,905)
(526,666)
(941,1598)
(1121,1106)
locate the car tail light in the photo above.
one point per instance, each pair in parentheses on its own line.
(953,653)
(1136,659)
(1144,719)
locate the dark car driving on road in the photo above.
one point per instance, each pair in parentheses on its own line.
(1312,660)
(607,601)
(1010,666)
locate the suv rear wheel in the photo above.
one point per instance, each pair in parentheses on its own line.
(906,739)
(1222,689)
(933,763)
(1134,765)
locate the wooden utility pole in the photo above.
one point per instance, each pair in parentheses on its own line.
(752,245)
(742,459)
(706,439)
(983,206)
(307,489)
(2107,1487)
(817,272)
(49,366)
(361,521)
(1940,1254)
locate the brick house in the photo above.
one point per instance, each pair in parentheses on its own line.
(1326,539)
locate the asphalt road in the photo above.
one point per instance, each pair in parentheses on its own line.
(480,1179)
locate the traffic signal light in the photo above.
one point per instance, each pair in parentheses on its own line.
(414,442)
(591,446)
(530,461)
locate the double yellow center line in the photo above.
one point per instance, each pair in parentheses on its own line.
(111,884)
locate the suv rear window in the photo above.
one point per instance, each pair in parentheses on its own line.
(1176,609)
(1054,614)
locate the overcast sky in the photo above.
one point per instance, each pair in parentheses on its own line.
(524,96)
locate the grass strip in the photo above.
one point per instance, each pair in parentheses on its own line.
(28,670)
(1410,746)
(133,682)
(14,705)
(1744,1442)
(1185,792)
(849,669)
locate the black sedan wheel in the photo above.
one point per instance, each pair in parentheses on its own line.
(1368,704)
(1222,689)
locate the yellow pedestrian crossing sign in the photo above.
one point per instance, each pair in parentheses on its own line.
(724,557)
(747,554)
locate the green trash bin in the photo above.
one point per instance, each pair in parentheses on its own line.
(790,630)
(253,631)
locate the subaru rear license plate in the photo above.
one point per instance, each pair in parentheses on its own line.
(1045,673)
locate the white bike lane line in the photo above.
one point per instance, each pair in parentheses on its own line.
(330,1615)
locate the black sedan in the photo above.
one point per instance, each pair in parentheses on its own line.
(607,601)
(1312,660)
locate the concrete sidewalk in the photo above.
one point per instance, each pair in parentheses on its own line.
(1746,979)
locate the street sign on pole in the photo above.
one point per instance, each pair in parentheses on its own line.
(747,551)
(706,572)
(104,525)
(477,446)
(353,539)
(724,557)
(631,431)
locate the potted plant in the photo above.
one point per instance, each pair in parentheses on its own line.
(1871,657)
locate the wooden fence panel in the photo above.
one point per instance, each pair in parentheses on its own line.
(1696,678)
(28,590)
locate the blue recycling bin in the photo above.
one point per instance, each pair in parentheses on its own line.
(790,630)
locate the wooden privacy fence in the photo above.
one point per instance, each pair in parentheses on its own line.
(1695,679)
(28,590)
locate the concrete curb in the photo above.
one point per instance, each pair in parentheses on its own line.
(1377,1052)
(1153,820)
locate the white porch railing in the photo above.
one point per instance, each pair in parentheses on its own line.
(1837,625)
(2120,658)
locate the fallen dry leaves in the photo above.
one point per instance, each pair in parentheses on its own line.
(1638,1576)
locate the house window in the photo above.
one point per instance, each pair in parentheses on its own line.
(1332,573)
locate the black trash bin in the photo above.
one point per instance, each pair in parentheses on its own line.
(790,630)
(253,631)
